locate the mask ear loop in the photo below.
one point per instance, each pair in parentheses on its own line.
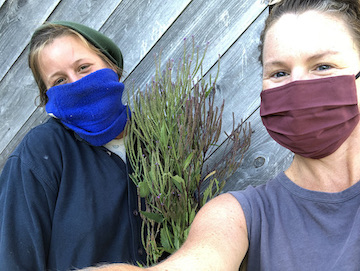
(357,76)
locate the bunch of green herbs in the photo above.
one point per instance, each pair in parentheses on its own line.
(173,131)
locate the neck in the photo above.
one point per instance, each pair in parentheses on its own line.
(333,173)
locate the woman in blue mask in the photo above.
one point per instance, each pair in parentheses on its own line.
(66,200)
(308,217)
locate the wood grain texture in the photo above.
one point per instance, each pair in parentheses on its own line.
(218,23)
(93,13)
(18,19)
(263,161)
(136,26)
(240,79)
(239,84)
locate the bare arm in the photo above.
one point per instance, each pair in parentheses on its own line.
(217,240)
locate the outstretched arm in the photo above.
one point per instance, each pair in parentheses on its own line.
(217,240)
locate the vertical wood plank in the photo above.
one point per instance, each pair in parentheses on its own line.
(219,23)
(93,13)
(18,19)
(136,26)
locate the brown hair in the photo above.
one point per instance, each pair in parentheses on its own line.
(347,10)
(46,35)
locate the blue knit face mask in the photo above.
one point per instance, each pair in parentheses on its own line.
(91,106)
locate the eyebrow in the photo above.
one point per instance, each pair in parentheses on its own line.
(311,58)
(322,54)
(57,73)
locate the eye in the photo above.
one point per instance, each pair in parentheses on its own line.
(279,74)
(84,67)
(59,81)
(323,67)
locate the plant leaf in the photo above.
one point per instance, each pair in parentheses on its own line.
(156,217)
(165,242)
(163,135)
(178,181)
(208,192)
(144,189)
(188,160)
(209,175)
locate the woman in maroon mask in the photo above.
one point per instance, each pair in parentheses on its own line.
(308,217)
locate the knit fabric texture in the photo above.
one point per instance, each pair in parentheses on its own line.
(91,106)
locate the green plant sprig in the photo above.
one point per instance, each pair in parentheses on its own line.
(173,130)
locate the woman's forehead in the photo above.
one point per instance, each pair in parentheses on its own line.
(306,33)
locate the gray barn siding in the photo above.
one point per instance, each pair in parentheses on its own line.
(143,28)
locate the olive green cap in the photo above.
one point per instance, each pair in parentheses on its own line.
(99,40)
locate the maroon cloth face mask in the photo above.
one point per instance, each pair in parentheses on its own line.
(311,118)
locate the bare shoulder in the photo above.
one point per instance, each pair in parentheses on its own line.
(223,213)
(219,230)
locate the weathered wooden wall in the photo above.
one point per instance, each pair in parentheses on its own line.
(142,28)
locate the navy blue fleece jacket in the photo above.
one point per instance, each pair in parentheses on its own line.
(66,204)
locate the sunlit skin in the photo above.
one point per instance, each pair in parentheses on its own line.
(309,46)
(66,60)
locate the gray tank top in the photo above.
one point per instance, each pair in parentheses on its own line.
(291,228)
